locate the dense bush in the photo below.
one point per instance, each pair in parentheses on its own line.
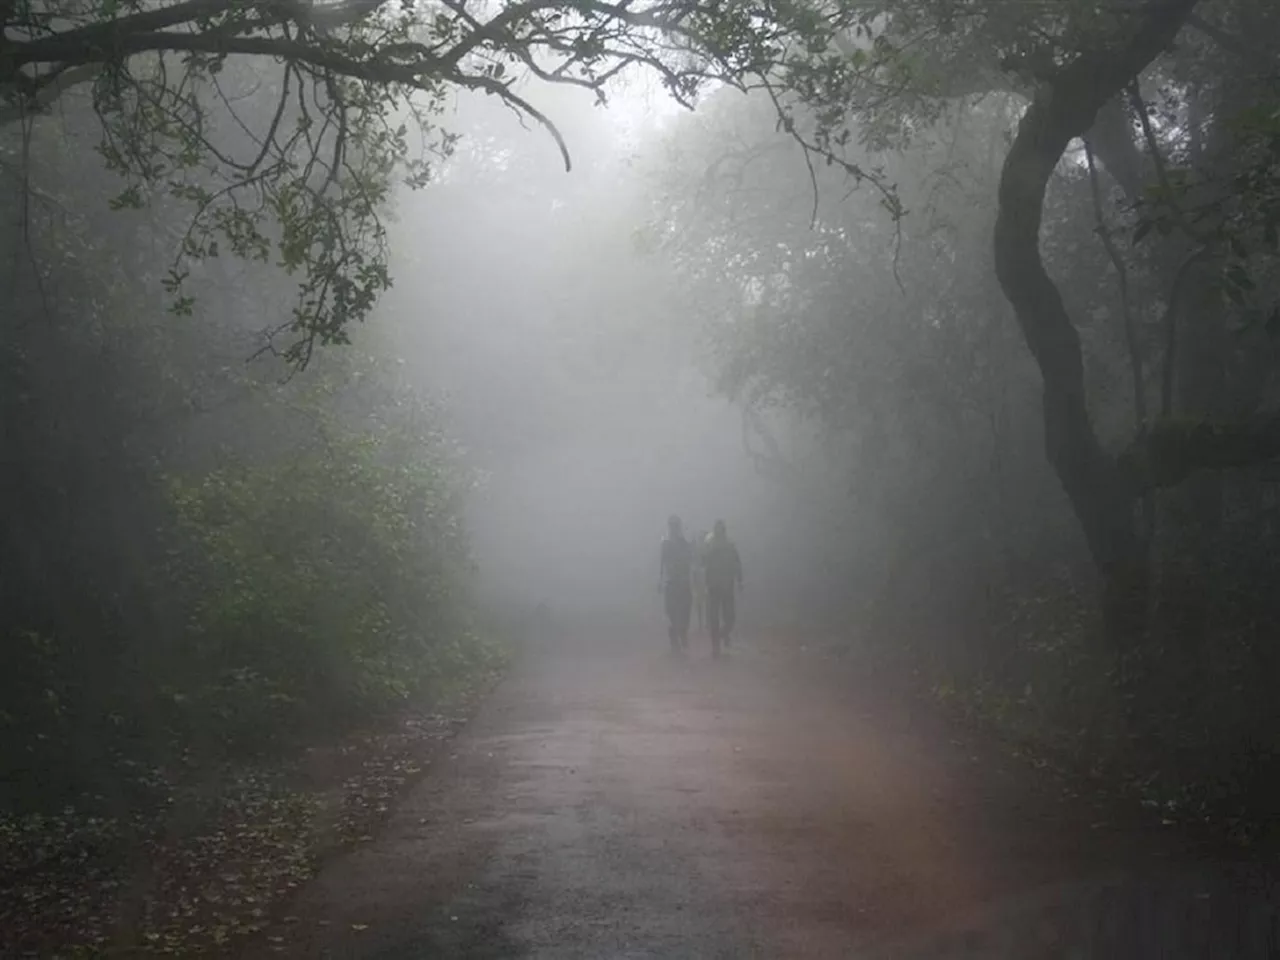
(202,555)
(334,578)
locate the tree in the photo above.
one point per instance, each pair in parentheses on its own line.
(343,76)
(923,396)
(150,466)
(174,86)
(1104,489)
(1075,65)
(1155,238)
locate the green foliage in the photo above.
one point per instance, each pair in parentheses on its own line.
(1234,215)
(330,577)
(119,604)
(980,569)
(279,129)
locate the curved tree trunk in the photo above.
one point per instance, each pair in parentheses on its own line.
(1099,490)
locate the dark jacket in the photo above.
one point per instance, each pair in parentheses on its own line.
(724,566)
(676,563)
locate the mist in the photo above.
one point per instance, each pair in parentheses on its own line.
(356,356)
(573,373)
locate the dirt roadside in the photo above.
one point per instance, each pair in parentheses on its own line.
(217,850)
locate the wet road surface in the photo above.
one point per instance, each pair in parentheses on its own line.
(613,801)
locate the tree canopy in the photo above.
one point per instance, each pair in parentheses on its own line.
(170,82)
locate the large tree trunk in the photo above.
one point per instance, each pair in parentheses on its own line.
(1099,490)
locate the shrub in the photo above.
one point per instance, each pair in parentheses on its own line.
(327,582)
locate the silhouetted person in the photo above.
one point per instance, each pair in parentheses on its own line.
(674,570)
(700,579)
(724,576)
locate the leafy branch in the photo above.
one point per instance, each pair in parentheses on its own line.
(359,71)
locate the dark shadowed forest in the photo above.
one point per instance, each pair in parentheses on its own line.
(350,346)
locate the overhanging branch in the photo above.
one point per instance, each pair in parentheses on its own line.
(324,57)
(48,89)
(510,97)
(97,40)
(1173,450)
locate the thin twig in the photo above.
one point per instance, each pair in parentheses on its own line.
(888,194)
(270,138)
(520,105)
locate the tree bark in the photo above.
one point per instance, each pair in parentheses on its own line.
(1064,108)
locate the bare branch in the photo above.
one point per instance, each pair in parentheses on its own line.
(269,138)
(45,91)
(1173,450)
(325,57)
(495,29)
(340,138)
(505,93)
(98,41)
(888,193)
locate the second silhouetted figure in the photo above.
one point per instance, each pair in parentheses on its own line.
(723,569)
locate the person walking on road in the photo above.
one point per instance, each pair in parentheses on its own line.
(675,568)
(723,569)
(700,579)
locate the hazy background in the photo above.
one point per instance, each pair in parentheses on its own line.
(573,370)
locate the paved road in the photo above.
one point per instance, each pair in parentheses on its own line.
(613,802)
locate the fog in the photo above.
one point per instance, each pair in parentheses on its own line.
(327,390)
(573,372)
